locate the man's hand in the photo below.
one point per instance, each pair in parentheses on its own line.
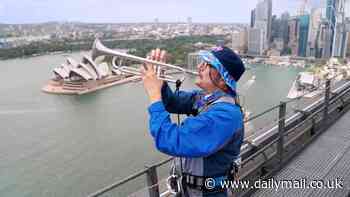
(151,83)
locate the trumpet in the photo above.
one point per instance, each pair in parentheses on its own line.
(99,49)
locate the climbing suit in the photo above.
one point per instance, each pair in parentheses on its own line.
(208,141)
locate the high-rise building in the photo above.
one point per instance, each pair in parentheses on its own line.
(269,19)
(293,27)
(284,29)
(348,45)
(280,28)
(189,25)
(340,35)
(235,40)
(255,41)
(275,28)
(262,26)
(252,18)
(278,44)
(332,13)
(263,20)
(328,38)
(314,31)
(347,9)
(330,21)
(338,42)
(240,40)
(303,34)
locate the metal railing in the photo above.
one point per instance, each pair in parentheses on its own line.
(273,144)
(290,138)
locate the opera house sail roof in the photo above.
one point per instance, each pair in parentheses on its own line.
(87,69)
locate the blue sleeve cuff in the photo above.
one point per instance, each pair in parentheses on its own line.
(156,107)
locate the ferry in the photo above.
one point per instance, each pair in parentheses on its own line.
(306,85)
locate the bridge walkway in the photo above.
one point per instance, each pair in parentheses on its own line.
(326,159)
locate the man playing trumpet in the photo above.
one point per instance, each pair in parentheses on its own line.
(208,141)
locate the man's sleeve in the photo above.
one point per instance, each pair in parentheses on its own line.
(180,103)
(197,136)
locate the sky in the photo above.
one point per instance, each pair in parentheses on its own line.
(124,11)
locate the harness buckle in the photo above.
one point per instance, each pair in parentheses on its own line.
(174,184)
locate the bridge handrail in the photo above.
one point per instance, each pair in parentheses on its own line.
(150,171)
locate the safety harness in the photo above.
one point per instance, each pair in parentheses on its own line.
(178,182)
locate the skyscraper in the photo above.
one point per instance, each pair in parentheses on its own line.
(262,26)
(269,19)
(303,34)
(321,44)
(189,25)
(340,36)
(279,27)
(347,9)
(275,29)
(255,41)
(347,54)
(314,30)
(252,18)
(235,40)
(262,19)
(240,40)
(336,12)
(293,26)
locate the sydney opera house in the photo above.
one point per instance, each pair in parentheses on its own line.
(74,77)
(86,70)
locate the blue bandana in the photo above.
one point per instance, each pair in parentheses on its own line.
(212,60)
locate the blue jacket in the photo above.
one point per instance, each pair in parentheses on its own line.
(208,141)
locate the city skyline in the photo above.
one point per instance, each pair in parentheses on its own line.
(94,11)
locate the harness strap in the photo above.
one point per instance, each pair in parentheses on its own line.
(226,99)
(200,182)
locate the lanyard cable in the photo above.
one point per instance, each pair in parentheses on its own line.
(176,176)
(177,91)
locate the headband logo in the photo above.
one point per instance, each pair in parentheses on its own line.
(218,48)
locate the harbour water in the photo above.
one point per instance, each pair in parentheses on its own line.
(55,145)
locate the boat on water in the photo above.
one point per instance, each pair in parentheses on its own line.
(253,78)
(306,85)
(311,84)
